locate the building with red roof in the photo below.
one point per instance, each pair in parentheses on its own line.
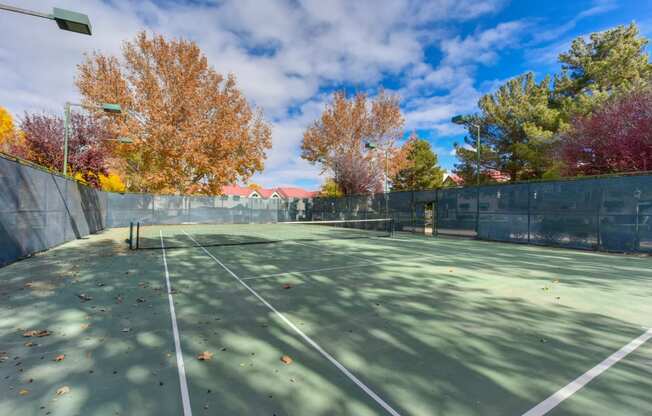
(451,179)
(283,192)
(287,192)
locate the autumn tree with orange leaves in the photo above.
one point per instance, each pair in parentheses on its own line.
(193,130)
(336,141)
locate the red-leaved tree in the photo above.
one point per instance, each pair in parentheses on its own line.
(358,173)
(615,138)
(87,149)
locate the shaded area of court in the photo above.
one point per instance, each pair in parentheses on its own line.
(432,326)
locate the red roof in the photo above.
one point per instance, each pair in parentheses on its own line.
(236,190)
(457,180)
(497,175)
(266,193)
(289,192)
(283,192)
(494,174)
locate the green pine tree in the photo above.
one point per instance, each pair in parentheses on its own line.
(611,62)
(518,131)
(419,168)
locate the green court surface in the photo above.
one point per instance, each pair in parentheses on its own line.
(373,326)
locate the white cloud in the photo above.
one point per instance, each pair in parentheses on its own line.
(283,53)
(482,47)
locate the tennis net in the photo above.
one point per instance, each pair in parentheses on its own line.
(190,235)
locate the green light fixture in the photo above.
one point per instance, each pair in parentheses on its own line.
(66,19)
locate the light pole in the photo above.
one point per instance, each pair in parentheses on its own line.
(66,19)
(462,121)
(107,108)
(372,146)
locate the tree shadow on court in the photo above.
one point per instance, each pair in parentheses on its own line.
(433,327)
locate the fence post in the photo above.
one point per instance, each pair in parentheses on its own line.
(529,213)
(597,215)
(477,214)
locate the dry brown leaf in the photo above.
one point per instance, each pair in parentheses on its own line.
(36,333)
(286,359)
(60,357)
(62,390)
(84,297)
(23,392)
(85,326)
(287,286)
(205,356)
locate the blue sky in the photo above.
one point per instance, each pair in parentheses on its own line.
(440,56)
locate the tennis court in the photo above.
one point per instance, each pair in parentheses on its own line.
(289,324)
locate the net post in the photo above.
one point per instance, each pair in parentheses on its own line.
(137,235)
(131,235)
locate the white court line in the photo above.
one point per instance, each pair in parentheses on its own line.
(305,337)
(306,271)
(185,397)
(327,250)
(371,263)
(575,385)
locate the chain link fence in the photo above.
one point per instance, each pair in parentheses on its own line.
(40,209)
(604,213)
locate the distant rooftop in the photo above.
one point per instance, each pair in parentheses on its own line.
(282,192)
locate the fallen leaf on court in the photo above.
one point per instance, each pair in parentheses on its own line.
(450,270)
(555,281)
(23,392)
(62,390)
(85,326)
(205,356)
(29,344)
(84,297)
(36,333)
(29,284)
(60,357)
(287,286)
(286,359)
